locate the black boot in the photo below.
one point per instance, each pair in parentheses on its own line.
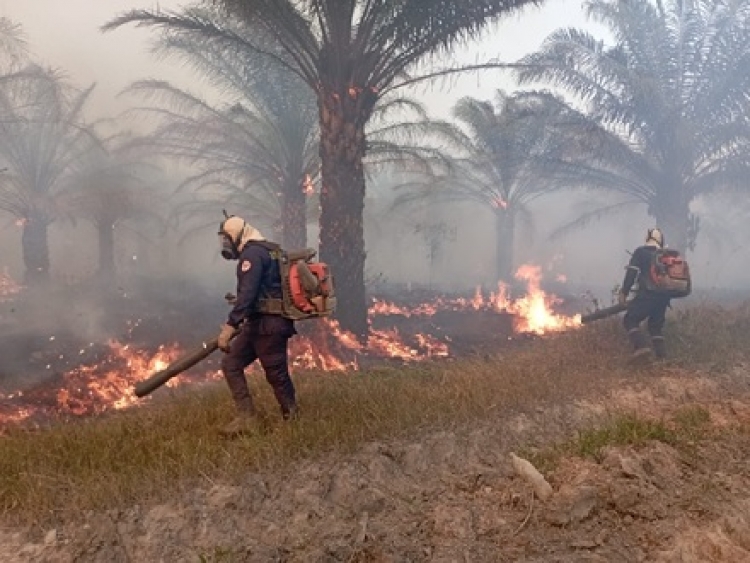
(290,412)
(641,350)
(245,422)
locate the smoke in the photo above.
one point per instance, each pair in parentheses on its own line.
(169,285)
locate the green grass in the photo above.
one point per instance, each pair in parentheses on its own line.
(621,430)
(155,451)
(682,429)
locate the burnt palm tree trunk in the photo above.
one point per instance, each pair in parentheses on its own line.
(505,231)
(106,236)
(35,249)
(672,214)
(342,202)
(294,215)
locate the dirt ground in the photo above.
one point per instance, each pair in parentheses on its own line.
(453,496)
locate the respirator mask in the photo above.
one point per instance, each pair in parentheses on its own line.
(230,246)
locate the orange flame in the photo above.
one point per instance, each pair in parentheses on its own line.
(534,311)
(308,187)
(88,390)
(107,386)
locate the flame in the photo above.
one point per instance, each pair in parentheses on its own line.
(322,345)
(499,203)
(332,349)
(308,187)
(90,389)
(534,312)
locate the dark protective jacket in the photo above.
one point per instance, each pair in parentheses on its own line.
(257,276)
(638,268)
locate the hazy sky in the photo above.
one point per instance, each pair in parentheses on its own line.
(65,34)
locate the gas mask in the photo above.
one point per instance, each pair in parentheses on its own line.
(230,245)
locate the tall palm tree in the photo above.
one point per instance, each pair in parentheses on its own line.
(260,152)
(264,137)
(263,161)
(42,139)
(350,53)
(108,189)
(510,155)
(666,105)
(512,152)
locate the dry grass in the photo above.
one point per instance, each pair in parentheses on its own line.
(155,451)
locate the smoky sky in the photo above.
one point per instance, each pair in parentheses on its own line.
(65,34)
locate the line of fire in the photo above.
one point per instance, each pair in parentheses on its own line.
(399,333)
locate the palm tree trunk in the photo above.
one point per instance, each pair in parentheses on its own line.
(505,233)
(106,234)
(35,249)
(294,215)
(342,202)
(672,216)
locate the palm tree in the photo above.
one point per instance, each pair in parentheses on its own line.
(350,53)
(665,108)
(512,152)
(255,163)
(42,139)
(510,155)
(108,189)
(13,46)
(264,139)
(258,155)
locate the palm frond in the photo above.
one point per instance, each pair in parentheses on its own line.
(598,214)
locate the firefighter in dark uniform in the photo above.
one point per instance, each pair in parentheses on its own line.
(646,304)
(261,337)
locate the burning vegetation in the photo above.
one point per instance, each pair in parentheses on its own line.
(399,333)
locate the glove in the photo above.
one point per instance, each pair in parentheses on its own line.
(622,298)
(227,331)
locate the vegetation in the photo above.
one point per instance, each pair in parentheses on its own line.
(42,141)
(663,112)
(109,189)
(510,156)
(256,152)
(350,53)
(153,451)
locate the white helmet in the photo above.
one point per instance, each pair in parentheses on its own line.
(655,238)
(234,234)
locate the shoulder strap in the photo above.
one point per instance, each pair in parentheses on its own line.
(275,249)
(266,244)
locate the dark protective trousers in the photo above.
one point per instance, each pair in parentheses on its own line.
(652,308)
(264,339)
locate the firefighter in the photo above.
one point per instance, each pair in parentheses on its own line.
(646,304)
(262,337)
